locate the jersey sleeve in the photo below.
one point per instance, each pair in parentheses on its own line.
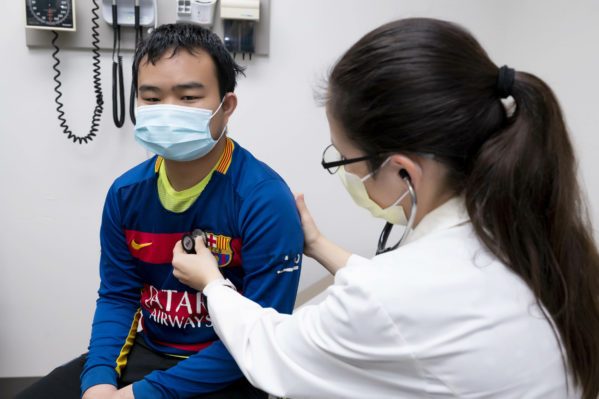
(116,316)
(272,243)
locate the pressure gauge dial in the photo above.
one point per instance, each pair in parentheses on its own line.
(51,14)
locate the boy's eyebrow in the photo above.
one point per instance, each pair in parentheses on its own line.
(189,85)
(178,87)
(148,88)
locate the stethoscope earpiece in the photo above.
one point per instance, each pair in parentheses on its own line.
(404,175)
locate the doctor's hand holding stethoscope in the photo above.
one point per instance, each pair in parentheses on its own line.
(491,291)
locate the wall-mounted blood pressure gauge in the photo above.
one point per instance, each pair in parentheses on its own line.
(50,14)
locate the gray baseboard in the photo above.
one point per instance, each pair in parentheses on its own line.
(10,387)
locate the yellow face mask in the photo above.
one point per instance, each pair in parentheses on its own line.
(354,185)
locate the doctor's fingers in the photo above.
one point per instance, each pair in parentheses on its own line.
(302,208)
(309,227)
(178,248)
(182,260)
(200,242)
(200,247)
(180,275)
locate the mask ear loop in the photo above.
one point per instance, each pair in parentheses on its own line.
(388,226)
(212,116)
(218,109)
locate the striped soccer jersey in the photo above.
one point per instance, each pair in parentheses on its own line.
(254,232)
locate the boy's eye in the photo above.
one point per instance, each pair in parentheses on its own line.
(151,100)
(189,98)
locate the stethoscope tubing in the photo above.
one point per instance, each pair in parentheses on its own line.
(382,244)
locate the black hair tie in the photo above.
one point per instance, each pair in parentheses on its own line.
(505,81)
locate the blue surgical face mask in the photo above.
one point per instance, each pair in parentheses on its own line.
(174,132)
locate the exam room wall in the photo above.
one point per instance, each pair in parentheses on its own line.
(54,190)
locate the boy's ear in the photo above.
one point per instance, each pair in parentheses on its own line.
(229,104)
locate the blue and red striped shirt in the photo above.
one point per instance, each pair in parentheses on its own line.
(254,232)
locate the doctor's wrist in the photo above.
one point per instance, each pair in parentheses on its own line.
(316,248)
(216,283)
(329,254)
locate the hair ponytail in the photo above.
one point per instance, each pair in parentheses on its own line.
(524,201)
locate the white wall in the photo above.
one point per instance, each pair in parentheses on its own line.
(559,42)
(53,189)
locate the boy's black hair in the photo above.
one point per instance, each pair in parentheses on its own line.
(174,37)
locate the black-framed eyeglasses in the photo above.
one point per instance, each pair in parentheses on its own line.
(332,159)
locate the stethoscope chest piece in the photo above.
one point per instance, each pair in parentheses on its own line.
(189,240)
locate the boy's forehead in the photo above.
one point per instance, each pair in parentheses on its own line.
(197,64)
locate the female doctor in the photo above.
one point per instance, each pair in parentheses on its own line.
(493,290)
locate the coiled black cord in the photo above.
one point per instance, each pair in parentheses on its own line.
(96,71)
(99,108)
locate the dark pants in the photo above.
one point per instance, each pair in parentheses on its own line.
(63,382)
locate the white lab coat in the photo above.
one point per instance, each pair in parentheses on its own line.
(437,318)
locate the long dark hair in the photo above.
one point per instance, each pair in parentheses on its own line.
(427,86)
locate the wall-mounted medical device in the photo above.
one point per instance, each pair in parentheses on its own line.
(199,12)
(59,15)
(167,12)
(244,26)
(239,21)
(50,14)
(126,12)
(248,10)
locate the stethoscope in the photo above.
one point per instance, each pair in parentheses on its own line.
(118,88)
(188,242)
(382,244)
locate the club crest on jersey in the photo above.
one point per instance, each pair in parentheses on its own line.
(220,246)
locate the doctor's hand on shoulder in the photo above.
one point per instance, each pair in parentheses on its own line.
(312,236)
(200,269)
(317,246)
(195,270)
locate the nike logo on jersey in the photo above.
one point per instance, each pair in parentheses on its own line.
(137,246)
